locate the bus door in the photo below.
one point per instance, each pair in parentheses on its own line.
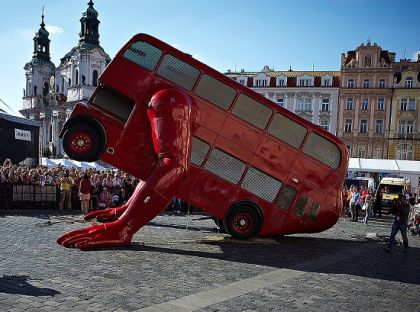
(306,205)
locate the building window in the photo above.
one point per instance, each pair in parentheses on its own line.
(325,105)
(62,85)
(409,82)
(308,104)
(300,104)
(363,125)
(77,77)
(305,82)
(403,104)
(348,124)
(350,83)
(405,126)
(379,127)
(261,83)
(242,81)
(325,124)
(412,104)
(95,78)
(281,82)
(348,147)
(361,151)
(365,104)
(377,153)
(405,152)
(366,83)
(327,82)
(280,102)
(349,103)
(382,83)
(381,104)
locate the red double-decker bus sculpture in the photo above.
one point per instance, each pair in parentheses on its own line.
(188,131)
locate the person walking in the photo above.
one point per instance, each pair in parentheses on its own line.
(402,209)
(84,193)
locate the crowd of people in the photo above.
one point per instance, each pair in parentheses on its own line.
(405,209)
(86,189)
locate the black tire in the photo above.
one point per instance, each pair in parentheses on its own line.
(242,222)
(82,142)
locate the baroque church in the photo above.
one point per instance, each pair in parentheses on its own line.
(51,92)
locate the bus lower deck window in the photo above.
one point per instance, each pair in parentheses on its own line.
(261,184)
(225,166)
(313,211)
(199,151)
(301,205)
(287,195)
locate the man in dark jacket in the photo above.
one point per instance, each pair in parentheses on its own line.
(402,210)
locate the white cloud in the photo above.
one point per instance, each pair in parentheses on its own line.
(414,57)
(54,30)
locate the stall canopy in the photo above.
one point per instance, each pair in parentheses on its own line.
(67,163)
(384,165)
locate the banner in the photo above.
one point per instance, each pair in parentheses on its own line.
(22,135)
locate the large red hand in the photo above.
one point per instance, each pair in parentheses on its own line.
(103,235)
(106,215)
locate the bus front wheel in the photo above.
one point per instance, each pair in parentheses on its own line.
(242,222)
(82,143)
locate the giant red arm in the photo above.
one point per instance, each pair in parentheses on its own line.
(171,115)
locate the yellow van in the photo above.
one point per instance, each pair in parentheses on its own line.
(390,189)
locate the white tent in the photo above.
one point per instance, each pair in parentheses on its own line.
(66,163)
(384,166)
(88,165)
(48,162)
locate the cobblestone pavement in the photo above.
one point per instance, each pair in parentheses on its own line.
(171,267)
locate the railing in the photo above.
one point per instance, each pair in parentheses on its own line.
(26,196)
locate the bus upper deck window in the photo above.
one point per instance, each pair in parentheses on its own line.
(252,111)
(143,54)
(178,72)
(323,150)
(261,184)
(199,151)
(287,130)
(215,91)
(287,195)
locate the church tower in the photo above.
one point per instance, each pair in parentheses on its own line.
(39,72)
(78,72)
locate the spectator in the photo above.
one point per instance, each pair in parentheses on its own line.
(66,184)
(354,204)
(105,198)
(84,193)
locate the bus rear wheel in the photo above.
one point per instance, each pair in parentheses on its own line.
(82,143)
(242,222)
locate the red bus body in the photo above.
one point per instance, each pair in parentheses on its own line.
(235,159)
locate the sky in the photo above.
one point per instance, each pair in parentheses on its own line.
(225,34)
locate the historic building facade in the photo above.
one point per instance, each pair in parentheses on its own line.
(365,100)
(312,95)
(51,92)
(404,132)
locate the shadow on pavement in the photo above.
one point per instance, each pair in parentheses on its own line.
(18,284)
(289,251)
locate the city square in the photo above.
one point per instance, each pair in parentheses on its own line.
(182,263)
(155,162)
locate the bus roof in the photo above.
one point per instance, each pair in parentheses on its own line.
(259,97)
